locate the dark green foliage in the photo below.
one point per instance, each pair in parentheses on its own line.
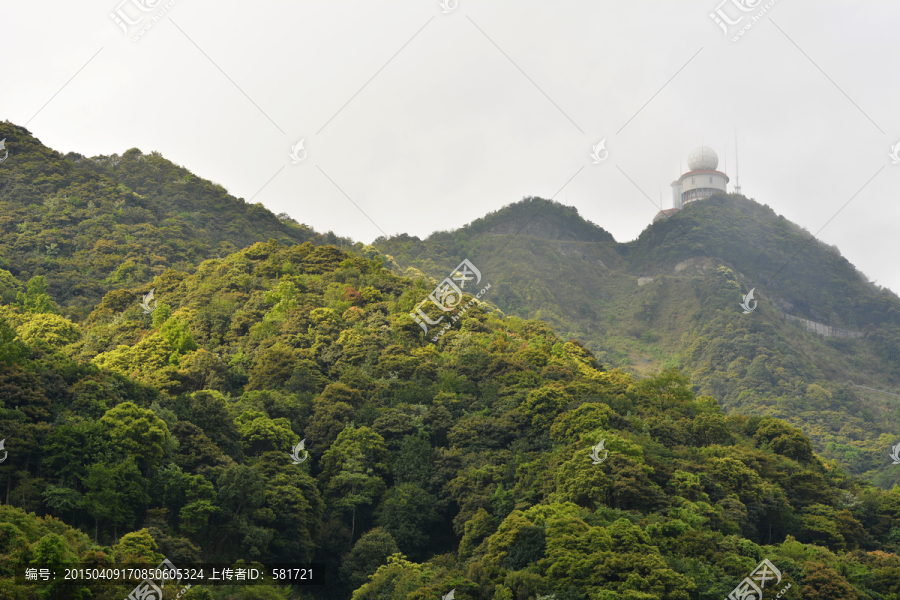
(408,512)
(414,461)
(369,552)
(528,548)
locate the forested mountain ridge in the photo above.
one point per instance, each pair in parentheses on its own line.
(459,465)
(463,465)
(642,306)
(94,224)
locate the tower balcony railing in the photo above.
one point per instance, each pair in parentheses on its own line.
(699,194)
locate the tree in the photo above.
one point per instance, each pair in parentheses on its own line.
(137,433)
(586,418)
(241,493)
(581,482)
(22,389)
(353,469)
(114,493)
(341,392)
(260,434)
(527,548)
(355,485)
(53,553)
(296,506)
(397,579)
(62,499)
(327,421)
(477,529)
(54,330)
(202,370)
(360,443)
(665,390)
(710,428)
(784,439)
(199,505)
(195,449)
(736,478)
(92,398)
(137,546)
(544,404)
(71,448)
(9,286)
(36,299)
(272,369)
(177,333)
(825,583)
(407,513)
(12,349)
(631,486)
(369,552)
(208,410)
(395,423)
(414,462)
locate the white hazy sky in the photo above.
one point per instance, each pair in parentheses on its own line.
(428,120)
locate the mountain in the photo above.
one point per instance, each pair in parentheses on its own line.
(89,225)
(671,299)
(463,465)
(500,461)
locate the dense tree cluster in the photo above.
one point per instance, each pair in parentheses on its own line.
(90,225)
(458,465)
(463,464)
(671,299)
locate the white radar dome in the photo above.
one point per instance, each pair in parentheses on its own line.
(703,159)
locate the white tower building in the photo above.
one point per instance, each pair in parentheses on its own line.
(701,181)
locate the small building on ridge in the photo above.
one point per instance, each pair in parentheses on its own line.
(701,181)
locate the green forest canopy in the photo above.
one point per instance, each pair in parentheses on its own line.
(458,465)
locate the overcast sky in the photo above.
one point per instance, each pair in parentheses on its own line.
(426,119)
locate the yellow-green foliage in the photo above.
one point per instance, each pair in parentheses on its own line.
(53,329)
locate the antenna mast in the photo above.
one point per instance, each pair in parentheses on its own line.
(737,172)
